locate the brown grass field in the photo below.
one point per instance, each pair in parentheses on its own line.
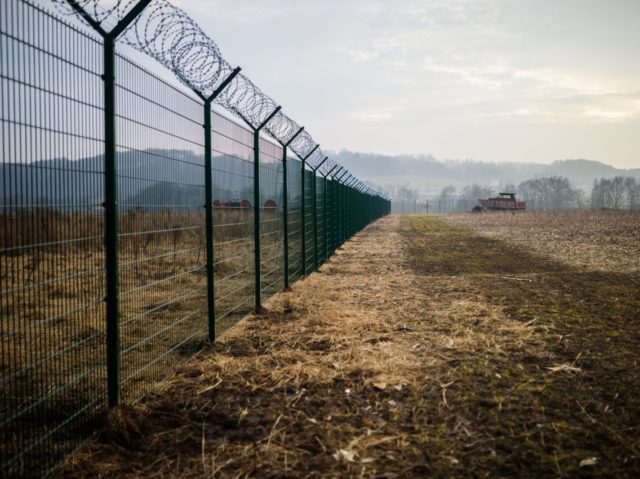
(463,346)
(52,309)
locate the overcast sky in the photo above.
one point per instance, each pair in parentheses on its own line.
(490,80)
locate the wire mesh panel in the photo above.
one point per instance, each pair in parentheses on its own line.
(232,146)
(163,306)
(320,220)
(55,189)
(343,205)
(51,263)
(294,182)
(329,217)
(339,214)
(308,221)
(271,219)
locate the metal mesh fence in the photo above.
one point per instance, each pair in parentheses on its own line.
(319,222)
(232,175)
(51,274)
(329,217)
(308,222)
(94,312)
(294,186)
(271,219)
(162,278)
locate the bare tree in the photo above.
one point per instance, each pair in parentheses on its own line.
(632,187)
(404,198)
(619,192)
(445,200)
(554,192)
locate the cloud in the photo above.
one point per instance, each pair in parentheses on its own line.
(373,116)
(444,68)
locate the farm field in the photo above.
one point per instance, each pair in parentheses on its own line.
(461,346)
(596,240)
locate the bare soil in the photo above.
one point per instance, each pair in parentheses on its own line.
(421,349)
(605,240)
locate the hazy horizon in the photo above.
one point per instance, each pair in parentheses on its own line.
(526,81)
(477,160)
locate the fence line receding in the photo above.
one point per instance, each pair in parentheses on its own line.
(137,223)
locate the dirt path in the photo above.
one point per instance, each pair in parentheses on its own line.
(419,350)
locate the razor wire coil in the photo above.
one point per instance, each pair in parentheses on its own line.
(169,35)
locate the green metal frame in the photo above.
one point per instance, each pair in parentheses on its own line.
(142,338)
(315,213)
(285,205)
(303,226)
(336,205)
(208,204)
(325,184)
(110,204)
(256,206)
(343,207)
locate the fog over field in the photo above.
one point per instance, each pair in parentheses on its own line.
(429,174)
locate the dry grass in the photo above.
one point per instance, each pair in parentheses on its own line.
(419,350)
(53,314)
(49,276)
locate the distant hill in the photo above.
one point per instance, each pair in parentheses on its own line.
(61,182)
(158,178)
(430,174)
(150,179)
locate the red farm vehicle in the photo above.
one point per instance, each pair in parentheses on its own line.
(502,202)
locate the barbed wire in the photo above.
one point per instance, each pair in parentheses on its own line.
(282,128)
(99,10)
(328,166)
(170,36)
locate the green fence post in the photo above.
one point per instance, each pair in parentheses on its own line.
(336,223)
(303,220)
(342,208)
(335,213)
(347,208)
(111,213)
(352,207)
(256,201)
(314,218)
(208,205)
(340,196)
(303,226)
(256,208)
(361,222)
(325,222)
(325,184)
(315,213)
(350,211)
(285,205)
(256,219)
(356,207)
(111,226)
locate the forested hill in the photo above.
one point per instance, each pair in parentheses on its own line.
(427,170)
(149,179)
(155,177)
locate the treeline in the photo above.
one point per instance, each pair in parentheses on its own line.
(620,192)
(545,193)
(404,198)
(552,192)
